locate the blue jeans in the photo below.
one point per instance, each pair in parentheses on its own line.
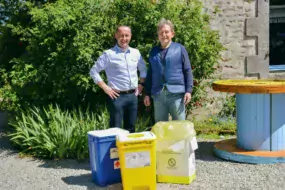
(168,103)
(124,108)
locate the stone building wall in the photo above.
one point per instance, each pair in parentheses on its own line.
(244,29)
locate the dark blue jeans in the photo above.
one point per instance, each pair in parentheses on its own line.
(124,108)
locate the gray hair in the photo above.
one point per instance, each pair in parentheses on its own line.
(163,22)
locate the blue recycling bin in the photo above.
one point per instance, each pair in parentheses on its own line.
(104,157)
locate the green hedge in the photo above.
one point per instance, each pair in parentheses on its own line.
(59,41)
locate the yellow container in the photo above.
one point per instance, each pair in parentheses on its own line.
(137,154)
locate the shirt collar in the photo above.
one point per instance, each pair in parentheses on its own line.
(121,50)
(167,45)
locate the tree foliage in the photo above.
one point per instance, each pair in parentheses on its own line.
(58,42)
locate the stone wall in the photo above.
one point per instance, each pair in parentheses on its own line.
(244,29)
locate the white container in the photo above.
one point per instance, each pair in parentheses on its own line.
(176,143)
(177,164)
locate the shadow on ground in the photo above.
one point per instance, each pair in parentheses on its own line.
(205,152)
(86,181)
(5,143)
(81,180)
(6,148)
(66,163)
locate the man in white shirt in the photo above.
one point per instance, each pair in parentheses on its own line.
(121,64)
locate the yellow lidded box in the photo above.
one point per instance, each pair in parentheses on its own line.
(137,154)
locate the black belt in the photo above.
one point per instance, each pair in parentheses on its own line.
(127,91)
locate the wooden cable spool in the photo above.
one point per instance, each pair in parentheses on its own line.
(250,86)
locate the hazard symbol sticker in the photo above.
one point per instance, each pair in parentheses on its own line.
(116,164)
(171,162)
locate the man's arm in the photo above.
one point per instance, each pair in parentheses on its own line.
(101,64)
(142,71)
(187,71)
(148,84)
(148,81)
(188,76)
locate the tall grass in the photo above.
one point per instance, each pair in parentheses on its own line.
(54,133)
(143,124)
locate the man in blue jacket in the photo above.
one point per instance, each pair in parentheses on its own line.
(169,78)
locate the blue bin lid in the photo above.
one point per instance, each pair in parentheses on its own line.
(108,132)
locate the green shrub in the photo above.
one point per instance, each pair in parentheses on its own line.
(62,38)
(53,133)
(229,107)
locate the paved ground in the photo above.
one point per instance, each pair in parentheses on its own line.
(212,173)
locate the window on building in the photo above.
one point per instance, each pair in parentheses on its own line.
(277,35)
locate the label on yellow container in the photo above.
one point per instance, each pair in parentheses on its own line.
(137,159)
(175,163)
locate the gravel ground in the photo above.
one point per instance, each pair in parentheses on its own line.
(212,173)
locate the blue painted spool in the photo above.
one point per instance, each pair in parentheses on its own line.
(261,121)
(228,150)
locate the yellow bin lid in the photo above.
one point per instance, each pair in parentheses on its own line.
(135,137)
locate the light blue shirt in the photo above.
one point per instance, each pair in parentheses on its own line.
(121,68)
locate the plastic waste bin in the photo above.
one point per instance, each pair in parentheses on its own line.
(104,158)
(138,160)
(176,143)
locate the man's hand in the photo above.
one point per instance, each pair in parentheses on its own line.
(146,101)
(139,90)
(187,98)
(111,92)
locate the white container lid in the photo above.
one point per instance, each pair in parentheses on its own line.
(147,135)
(108,132)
